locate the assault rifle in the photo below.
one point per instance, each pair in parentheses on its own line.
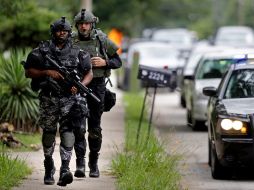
(72,78)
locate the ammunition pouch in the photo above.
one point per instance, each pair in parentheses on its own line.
(109,100)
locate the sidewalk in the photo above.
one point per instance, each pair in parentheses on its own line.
(113,139)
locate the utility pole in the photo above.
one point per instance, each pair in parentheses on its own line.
(216,14)
(87,4)
(240,11)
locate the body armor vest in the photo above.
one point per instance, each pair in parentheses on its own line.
(93,48)
(67,57)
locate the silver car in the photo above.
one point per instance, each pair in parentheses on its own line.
(191,64)
(208,72)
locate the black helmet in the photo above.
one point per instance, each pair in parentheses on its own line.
(61,24)
(85,16)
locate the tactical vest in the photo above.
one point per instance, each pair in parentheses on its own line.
(93,47)
(67,57)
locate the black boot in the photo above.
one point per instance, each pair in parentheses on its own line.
(80,168)
(65,174)
(49,171)
(93,164)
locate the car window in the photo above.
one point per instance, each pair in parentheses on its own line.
(212,68)
(222,82)
(241,84)
(234,38)
(174,37)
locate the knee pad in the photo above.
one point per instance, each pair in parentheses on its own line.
(95,134)
(48,138)
(95,140)
(67,140)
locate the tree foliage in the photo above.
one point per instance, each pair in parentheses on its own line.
(23,23)
(26,22)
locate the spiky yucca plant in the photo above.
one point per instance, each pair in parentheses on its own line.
(18,103)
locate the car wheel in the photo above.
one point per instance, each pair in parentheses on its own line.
(218,171)
(188,116)
(182,102)
(209,152)
(196,124)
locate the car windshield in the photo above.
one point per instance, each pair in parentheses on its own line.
(173,38)
(212,68)
(241,84)
(234,38)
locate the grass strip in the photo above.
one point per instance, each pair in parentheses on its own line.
(143,165)
(12,171)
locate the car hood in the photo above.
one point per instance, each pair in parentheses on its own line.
(239,105)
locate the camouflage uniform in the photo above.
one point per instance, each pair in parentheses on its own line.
(97,45)
(57,104)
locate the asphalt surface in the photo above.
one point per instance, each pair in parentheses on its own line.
(170,121)
(113,139)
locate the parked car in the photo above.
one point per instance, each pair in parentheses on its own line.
(159,55)
(187,72)
(235,36)
(208,72)
(230,116)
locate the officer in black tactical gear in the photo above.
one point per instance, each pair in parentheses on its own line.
(60,102)
(104,57)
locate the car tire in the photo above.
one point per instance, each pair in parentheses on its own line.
(209,152)
(188,117)
(218,171)
(196,124)
(182,102)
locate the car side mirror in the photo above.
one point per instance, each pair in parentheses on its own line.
(210,91)
(189,77)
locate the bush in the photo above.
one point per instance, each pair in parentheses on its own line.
(18,103)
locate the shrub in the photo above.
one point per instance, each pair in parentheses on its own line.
(18,103)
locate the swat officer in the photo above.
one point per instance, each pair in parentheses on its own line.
(104,57)
(59,101)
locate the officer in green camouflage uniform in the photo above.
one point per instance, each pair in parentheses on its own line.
(103,58)
(59,102)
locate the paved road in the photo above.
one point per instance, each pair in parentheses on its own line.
(170,121)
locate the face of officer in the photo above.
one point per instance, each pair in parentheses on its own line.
(61,36)
(84,28)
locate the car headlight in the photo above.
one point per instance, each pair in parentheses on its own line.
(234,126)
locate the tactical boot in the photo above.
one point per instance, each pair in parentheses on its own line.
(49,171)
(93,160)
(80,168)
(65,174)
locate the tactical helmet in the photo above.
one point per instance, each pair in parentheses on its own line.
(85,16)
(61,24)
